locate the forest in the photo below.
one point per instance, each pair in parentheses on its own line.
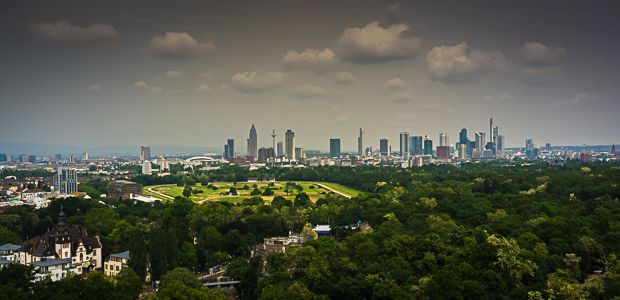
(497,230)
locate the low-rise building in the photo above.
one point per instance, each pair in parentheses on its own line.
(123,189)
(53,269)
(9,252)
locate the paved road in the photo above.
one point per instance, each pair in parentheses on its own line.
(158,193)
(337,192)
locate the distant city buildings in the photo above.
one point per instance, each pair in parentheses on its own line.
(416,145)
(123,189)
(265,153)
(444,139)
(529,144)
(84,156)
(480,141)
(280,149)
(443,152)
(146,167)
(584,157)
(334,148)
(428,147)
(229,149)
(65,181)
(299,153)
(289,139)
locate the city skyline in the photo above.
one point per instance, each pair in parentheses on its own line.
(160,73)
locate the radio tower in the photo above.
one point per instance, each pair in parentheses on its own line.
(273,135)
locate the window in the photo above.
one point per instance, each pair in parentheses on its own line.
(94,252)
(66,254)
(117,268)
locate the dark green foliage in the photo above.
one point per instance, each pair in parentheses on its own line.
(157,253)
(138,254)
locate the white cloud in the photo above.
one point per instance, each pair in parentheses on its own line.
(344,77)
(309,59)
(139,84)
(537,53)
(63,32)
(309,90)
(179,44)
(373,43)
(203,88)
(453,64)
(396,84)
(506,96)
(174,74)
(94,88)
(249,82)
(156,90)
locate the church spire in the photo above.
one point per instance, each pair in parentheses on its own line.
(61,217)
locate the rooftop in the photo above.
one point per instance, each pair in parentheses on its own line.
(50,262)
(121,255)
(9,247)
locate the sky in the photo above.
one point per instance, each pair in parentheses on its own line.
(195,73)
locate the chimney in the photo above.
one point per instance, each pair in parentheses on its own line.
(84,233)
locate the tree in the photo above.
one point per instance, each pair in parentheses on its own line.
(181,274)
(157,253)
(187,257)
(187,191)
(509,258)
(128,283)
(302,199)
(308,233)
(8,237)
(234,244)
(209,239)
(233,191)
(172,246)
(137,253)
(176,290)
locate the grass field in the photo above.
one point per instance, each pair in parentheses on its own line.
(311,188)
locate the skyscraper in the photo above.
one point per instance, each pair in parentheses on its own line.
(289,139)
(428,147)
(361,142)
(145,153)
(404,143)
(416,147)
(444,139)
(548,147)
(146,167)
(231,148)
(491,136)
(480,140)
(334,147)
(499,147)
(253,143)
(529,144)
(463,139)
(462,153)
(280,149)
(384,147)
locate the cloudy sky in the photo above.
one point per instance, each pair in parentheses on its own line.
(194,73)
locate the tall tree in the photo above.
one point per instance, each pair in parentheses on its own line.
(157,251)
(172,246)
(137,253)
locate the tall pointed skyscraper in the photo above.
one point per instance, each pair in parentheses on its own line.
(253,143)
(361,143)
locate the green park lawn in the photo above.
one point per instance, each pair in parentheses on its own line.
(214,195)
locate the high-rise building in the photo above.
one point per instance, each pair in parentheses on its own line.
(361,142)
(584,157)
(444,139)
(231,148)
(299,153)
(417,146)
(3,157)
(548,147)
(529,144)
(57,158)
(65,181)
(145,153)
(31,158)
(443,152)
(491,136)
(536,152)
(613,149)
(22,158)
(404,143)
(499,147)
(280,149)
(462,151)
(253,143)
(428,147)
(225,151)
(146,167)
(463,139)
(265,153)
(480,140)
(334,148)
(84,156)
(384,147)
(495,135)
(289,139)
(72,159)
